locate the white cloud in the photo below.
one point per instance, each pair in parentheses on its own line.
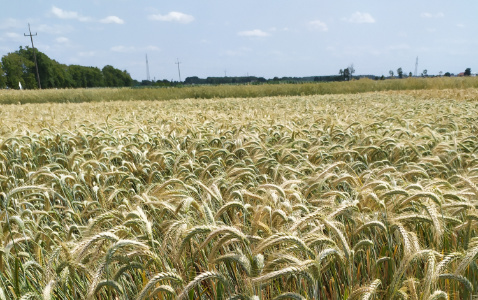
(11,23)
(112,19)
(12,35)
(55,29)
(173,16)
(430,15)
(359,18)
(63,14)
(253,33)
(152,48)
(87,54)
(73,15)
(62,40)
(318,25)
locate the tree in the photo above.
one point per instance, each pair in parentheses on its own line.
(341,73)
(391,73)
(112,78)
(468,72)
(3,79)
(440,73)
(400,73)
(44,63)
(94,77)
(410,74)
(346,73)
(16,70)
(447,74)
(425,73)
(19,67)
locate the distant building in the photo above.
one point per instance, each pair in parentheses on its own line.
(461,74)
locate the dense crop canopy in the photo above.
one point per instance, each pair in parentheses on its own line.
(367,196)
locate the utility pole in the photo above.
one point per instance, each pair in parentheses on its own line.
(34,54)
(179,71)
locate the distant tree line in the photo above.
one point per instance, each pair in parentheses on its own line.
(224,80)
(19,67)
(275,80)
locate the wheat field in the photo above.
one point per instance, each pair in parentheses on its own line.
(359,196)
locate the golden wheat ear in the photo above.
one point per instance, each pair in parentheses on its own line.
(150,289)
(367,292)
(199,278)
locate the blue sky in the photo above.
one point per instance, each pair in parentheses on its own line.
(261,38)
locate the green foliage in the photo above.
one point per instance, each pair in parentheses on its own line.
(86,77)
(3,79)
(115,78)
(18,70)
(19,66)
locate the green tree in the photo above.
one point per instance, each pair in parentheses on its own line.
(3,79)
(447,74)
(127,80)
(400,72)
(346,74)
(116,78)
(468,72)
(19,67)
(410,74)
(425,73)
(94,77)
(63,78)
(391,73)
(17,70)
(44,65)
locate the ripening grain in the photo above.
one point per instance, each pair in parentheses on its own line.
(365,196)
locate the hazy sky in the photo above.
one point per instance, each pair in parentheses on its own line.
(262,37)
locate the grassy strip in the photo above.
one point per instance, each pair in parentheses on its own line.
(232,91)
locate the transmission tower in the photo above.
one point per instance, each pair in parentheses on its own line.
(416,67)
(179,71)
(147,69)
(34,54)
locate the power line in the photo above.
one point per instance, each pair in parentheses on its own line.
(34,54)
(179,71)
